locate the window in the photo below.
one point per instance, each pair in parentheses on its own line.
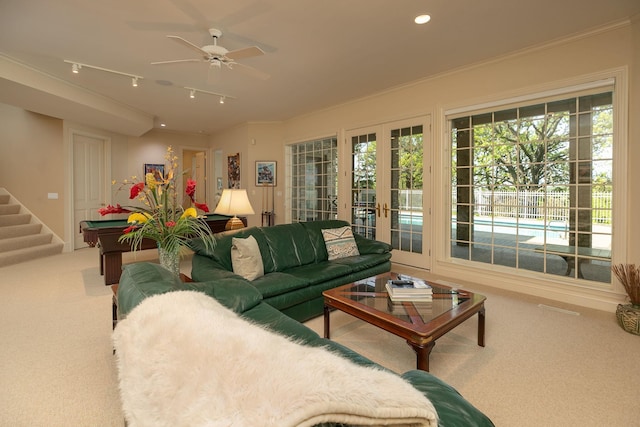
(532,186)
(314,180)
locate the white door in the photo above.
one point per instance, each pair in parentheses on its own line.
(200,176)
(389,187)
(88,181)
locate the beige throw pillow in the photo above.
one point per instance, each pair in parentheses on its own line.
(340,242)
(246,258)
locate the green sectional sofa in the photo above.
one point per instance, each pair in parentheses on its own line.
(142,280)
(296,265)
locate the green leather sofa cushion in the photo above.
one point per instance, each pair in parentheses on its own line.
(143,279)
(362,261)
(319,273)
(267,316)
(453,409)
(222,252)
(369,246)
(277,283)
(289,246)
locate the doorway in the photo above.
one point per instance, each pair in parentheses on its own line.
(390,177)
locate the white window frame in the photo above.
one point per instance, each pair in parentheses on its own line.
(503,277)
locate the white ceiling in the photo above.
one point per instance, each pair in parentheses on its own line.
(318,53)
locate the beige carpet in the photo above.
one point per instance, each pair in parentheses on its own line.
(539,367)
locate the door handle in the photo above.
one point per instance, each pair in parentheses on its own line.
(378,210)
(386,209)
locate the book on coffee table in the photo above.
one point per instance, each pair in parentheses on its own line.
(415,296)
(408,287)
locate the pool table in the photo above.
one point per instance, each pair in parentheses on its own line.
(105,233)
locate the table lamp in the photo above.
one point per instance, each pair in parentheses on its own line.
(234,202)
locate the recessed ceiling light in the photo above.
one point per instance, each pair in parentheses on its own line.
(422,19)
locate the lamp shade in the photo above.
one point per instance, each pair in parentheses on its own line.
(234,202)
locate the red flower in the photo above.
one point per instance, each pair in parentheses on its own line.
(202,206)
(170,223)
(136,189)
(129,229)
(191,188)
(113,210)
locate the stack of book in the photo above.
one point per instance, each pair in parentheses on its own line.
(409,290)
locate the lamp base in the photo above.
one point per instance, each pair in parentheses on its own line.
(234,223)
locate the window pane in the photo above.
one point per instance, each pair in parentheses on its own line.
(314,180)
(532,187)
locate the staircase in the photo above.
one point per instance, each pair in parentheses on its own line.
(22,236)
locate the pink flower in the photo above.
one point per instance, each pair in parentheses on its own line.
(170,224)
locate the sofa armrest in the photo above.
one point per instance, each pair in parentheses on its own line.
(453,409)
(369,246)
(236,294)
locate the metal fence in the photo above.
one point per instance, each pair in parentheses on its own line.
(549,206)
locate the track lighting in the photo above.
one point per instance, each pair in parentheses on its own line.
(222,97)
(76,66)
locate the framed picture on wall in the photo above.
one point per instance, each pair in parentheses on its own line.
(233,168)
(156,169)
(266,173)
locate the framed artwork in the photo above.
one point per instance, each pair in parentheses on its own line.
(156,169)
(266,173)
(233,169)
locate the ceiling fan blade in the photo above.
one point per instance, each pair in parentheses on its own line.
(190,45)
(247,52)
(175,61)
(250,71)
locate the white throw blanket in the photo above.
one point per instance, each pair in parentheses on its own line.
(186,360)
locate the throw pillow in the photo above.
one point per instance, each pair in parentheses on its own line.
(340,242)
(246,258)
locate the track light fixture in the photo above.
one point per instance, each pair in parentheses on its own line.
(193,91)
(76,66)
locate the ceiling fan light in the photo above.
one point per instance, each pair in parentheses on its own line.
(75,68)
(422,19)
(192,94)
(134,81)
(222,100)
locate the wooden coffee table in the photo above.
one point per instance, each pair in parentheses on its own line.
(420,323)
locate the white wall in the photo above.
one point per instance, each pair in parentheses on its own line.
(583,58)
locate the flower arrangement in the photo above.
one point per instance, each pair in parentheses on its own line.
(629,276)
(628,315)
(161,217)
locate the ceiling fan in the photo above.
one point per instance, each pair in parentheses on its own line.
(217,56)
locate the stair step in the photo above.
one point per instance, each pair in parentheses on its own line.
(14,243)
(6,209)
(4,199)
(14,219)
(10,231)
(26,254)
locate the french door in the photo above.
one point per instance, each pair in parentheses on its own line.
(389,187)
